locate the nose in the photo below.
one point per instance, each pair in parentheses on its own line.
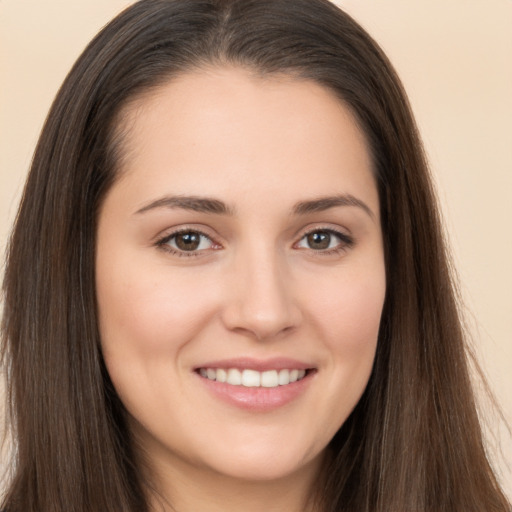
(260,299)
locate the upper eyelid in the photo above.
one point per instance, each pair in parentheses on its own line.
(336,229)
(327,229)
(167,235)
(171,232)
(163,243)
(176,233)
(347,238)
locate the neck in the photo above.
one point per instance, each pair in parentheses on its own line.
(181,487)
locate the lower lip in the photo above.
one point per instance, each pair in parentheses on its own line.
(258,399)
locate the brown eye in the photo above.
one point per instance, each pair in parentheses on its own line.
(325,240)
(188,241)
(319,240)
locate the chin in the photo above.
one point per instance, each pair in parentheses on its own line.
(263,465)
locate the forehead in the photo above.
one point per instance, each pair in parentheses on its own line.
(213,130)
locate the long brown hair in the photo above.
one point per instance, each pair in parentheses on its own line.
(413,442)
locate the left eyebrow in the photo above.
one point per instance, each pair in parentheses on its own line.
(193,203)
(324,203)
(215,206)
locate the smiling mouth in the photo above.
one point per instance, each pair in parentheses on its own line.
(253,378)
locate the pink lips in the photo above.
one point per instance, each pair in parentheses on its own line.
(257,399)
(278,363)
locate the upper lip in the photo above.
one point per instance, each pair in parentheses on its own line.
(247,363)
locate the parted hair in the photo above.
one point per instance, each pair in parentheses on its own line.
(413,443)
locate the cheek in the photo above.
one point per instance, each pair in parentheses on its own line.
(146,314)
(348,316)
(349,310)
(359,313)
(146,322)
(351,329)
(344,315)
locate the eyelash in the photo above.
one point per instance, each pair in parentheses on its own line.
(346,242)
(163,243)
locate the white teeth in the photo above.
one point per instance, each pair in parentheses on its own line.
(269,379)
(284,377)
(234,377)
(253,378)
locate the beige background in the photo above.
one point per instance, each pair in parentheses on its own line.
(455,58)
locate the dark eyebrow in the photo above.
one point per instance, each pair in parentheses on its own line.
(194,203)
(211,205)
(324,203)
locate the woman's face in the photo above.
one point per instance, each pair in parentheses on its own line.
(240,273)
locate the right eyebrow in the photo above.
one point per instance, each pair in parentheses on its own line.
(325,203)
(194,203)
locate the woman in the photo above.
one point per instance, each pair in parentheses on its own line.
(227,287)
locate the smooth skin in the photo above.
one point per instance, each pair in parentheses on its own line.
(284,258)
